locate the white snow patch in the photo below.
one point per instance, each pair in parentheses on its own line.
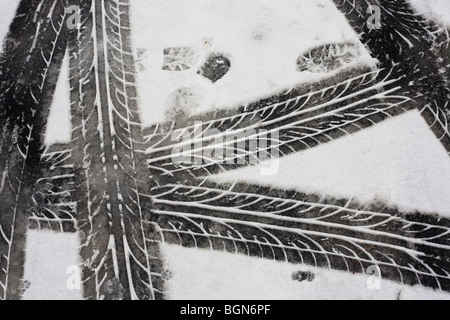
(7,13)
(437,10)
(212,275)
(398,161)
(59,121)
(50,261)
(262,38)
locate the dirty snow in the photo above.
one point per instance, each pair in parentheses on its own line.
(262,38)
(399,162)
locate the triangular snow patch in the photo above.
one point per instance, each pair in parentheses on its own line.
(59,122)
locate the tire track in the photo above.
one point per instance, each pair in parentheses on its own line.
(118,263)
(29,74)
(299,119)
(409,248)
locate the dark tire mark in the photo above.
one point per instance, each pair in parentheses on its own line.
(289,226)
(28,78)
(107,154)
(52,206)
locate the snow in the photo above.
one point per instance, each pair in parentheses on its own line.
(262,38)
(7,14)
(437,10)
(51,266)
(399,162)
(198,274)
(59,121)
